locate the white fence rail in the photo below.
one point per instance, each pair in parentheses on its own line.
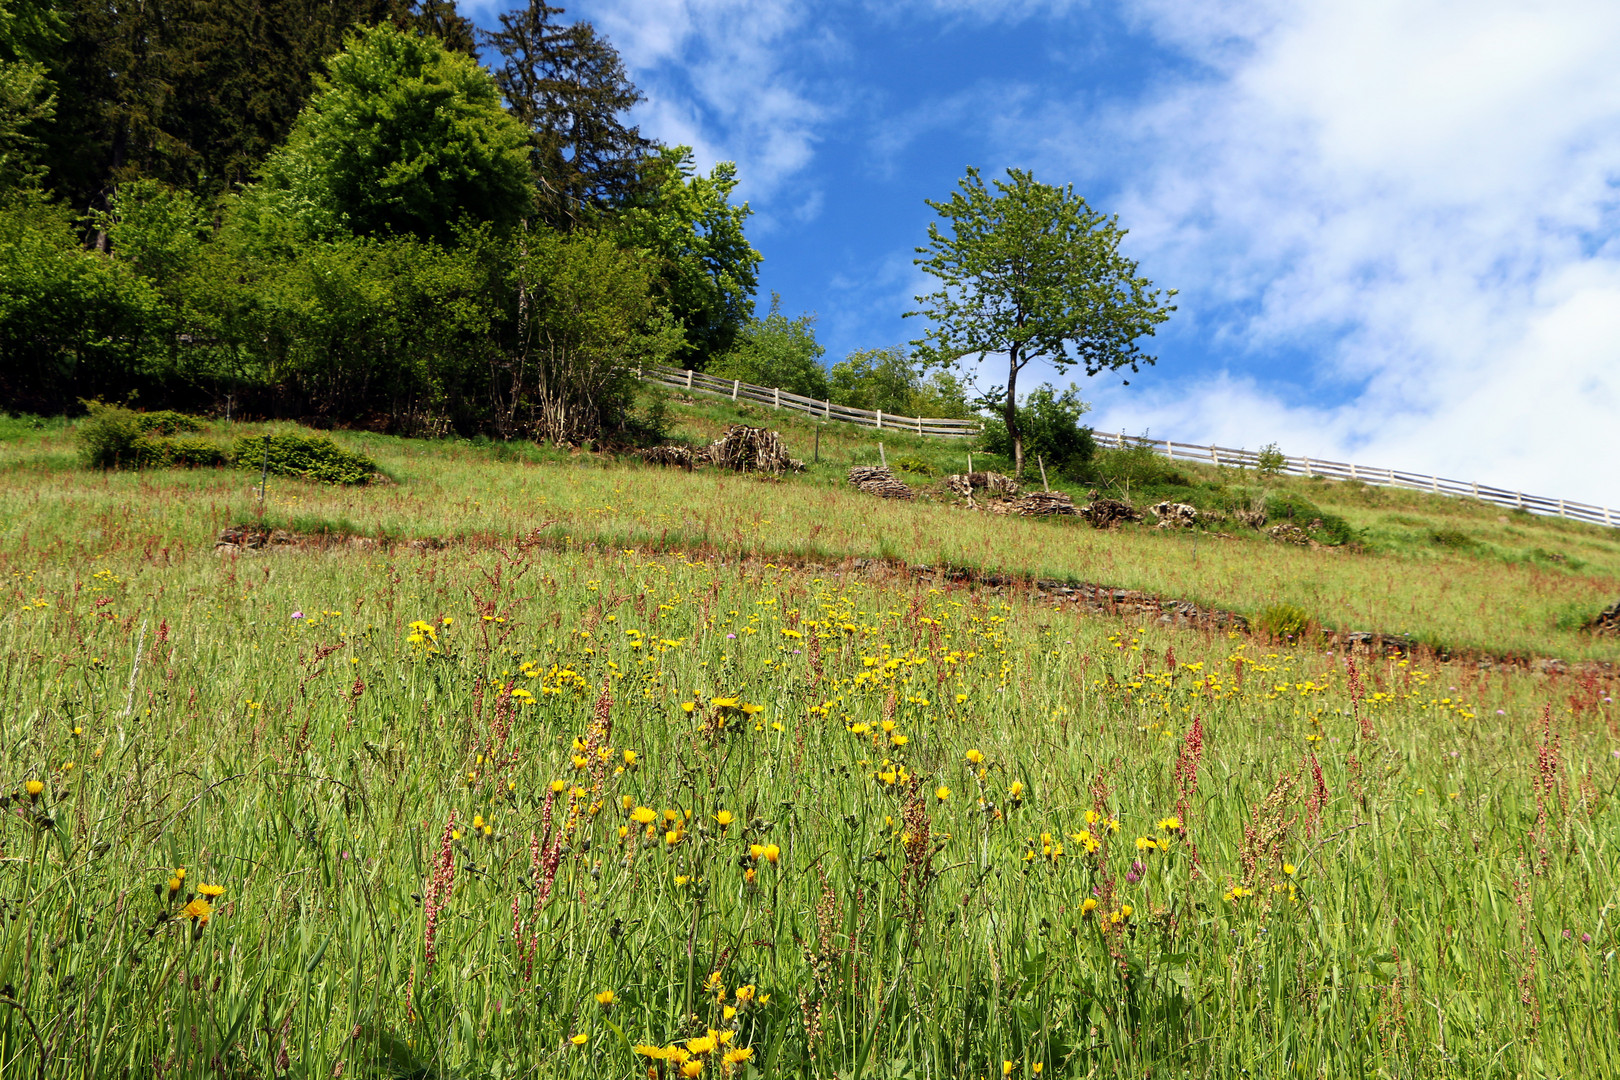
(1338,470)
(736,390)
(698,382)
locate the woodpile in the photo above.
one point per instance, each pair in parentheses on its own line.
(1174,515)
(740,449)
(1289,533)
(993,484)
(1042,504)
(1107,513)
(1607,621)
(681,456)
(751,449)
(878,480)
(1254,519)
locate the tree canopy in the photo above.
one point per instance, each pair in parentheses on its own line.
(1030,271)
(401,137)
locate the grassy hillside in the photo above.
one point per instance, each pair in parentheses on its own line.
(1451,573)
(589,807)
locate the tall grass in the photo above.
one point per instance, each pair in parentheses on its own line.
(1447,598)
(418,779)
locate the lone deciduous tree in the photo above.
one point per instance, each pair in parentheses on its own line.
(1031,271)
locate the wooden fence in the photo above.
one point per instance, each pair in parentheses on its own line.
(698,382)
(1338,470)
(736,390)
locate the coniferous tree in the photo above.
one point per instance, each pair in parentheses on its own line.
(195,93)
(568,87)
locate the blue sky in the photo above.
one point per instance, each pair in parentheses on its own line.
(1394,224)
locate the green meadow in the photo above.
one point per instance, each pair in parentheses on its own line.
(638,775)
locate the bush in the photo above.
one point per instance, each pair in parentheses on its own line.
(192,453)
(777,351)
(110,437)
(1455,539)
(166,422)
(1283,621)
(915,465)
(113,437)
(309,457)
(1137,466)
(1327,529)
(1051,426)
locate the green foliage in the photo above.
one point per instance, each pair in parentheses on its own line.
(1283,622)
(1455,539)
(308,457)
(594,321)
(890,380)
(567,86)
(72,324)
(113,437)
(915,466)
(1324,528)
(777,351)
(1050,423)
(1134,470)
(27,104)
(402,137)
(1271,461)
(703,266)
(1033,272)
(166,422)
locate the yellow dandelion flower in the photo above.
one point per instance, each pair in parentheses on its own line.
(643,815)
(976,756)
(34,787)
(724,818)
(605,998)
(942,793)
(580,1040)
(211,891)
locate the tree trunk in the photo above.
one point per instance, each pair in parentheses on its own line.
(1010,413)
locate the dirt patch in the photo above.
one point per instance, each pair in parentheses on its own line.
(255,539)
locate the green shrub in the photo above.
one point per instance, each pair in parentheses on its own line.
(310,457)
(1051,427)
(1327,529)
(1271,460)
(166,422)
(915,465)
(1455,539)
(1283,621)
(111,437)
(191,452)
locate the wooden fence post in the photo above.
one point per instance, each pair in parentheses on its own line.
(776,397)
(1169,449)
(880,422)
(1307,462)
(736,385)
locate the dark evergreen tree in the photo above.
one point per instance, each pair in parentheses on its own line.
(195,93)
(568,87)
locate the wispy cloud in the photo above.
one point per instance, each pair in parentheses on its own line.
(717,76)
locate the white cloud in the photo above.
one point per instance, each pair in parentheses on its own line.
(1426,192)
(714,75)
